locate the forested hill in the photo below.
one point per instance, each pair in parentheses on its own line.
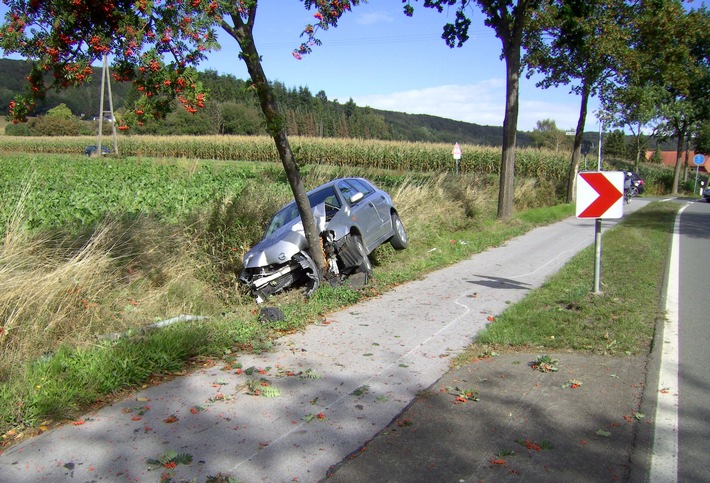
(415,127)
(232,108)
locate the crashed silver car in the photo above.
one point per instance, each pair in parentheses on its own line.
(353,217)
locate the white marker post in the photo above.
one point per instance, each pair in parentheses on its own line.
(457,155)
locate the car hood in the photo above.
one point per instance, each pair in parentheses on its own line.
(284,243)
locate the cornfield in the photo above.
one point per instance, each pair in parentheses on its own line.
(371,154)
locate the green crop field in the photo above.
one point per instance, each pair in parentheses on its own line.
(75,191)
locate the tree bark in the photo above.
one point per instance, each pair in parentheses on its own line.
(275,125)
(510,124)
(638,148)
(678,162)
(577,150)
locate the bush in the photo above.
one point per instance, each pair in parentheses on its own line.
(615,144)
(656,158)
(20,129)
(54,126)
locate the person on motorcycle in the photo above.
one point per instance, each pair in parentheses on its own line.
(627,186)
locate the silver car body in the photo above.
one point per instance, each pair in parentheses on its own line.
(346,210)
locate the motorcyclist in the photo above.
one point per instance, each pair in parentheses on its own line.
(627,186)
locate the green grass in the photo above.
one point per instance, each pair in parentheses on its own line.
(565,314)
(59,385)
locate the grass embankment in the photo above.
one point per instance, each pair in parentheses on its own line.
(564,314)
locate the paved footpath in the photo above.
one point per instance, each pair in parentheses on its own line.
(340,381)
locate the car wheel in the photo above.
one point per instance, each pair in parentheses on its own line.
(365,265)
(634,191)
(399,239)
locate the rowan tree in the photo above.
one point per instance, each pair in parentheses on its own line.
(157,45)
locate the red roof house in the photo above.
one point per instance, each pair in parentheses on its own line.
(669,159)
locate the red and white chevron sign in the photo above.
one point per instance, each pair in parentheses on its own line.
(600,194)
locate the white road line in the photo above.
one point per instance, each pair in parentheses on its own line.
(664,459)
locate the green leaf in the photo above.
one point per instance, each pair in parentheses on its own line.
(309,374)
(270,391)
(183,459)
(360,391)
(601,432)
(168,456)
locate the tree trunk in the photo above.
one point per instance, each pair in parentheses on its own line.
(678,163)
(510,126)
(275,125)
(577,150)
(638,147)
(686,164)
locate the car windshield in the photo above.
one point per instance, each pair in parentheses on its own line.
(290,212)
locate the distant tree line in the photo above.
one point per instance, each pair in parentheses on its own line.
(232,108)
(616,143)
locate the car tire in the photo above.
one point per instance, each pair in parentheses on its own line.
(634,191)
(399,239)
(365,265)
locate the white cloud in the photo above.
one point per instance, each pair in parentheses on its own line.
(373,18)
(565,114)
(480,103)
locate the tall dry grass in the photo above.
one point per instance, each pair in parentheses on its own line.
(121,276)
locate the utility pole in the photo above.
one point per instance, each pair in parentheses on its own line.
(106,81)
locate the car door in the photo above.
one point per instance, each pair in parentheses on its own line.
(365,213)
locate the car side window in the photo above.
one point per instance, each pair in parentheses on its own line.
(351,187)
(323,196)
(327,196)
(347,190)
(362,187)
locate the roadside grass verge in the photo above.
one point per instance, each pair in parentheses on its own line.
(565,315)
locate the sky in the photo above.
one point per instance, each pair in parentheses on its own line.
(380,58)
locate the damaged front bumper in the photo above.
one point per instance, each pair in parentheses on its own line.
(342,258)
(269,280)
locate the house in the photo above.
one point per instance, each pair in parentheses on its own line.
(669,159)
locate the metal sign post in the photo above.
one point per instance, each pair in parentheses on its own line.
(599,196)
(698,160)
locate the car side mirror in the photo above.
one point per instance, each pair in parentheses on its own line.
(356,197)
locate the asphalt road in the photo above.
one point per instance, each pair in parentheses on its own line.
(694,353)
(673,446)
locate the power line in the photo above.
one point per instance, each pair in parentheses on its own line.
(379,40)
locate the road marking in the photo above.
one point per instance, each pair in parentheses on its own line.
(664,459)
